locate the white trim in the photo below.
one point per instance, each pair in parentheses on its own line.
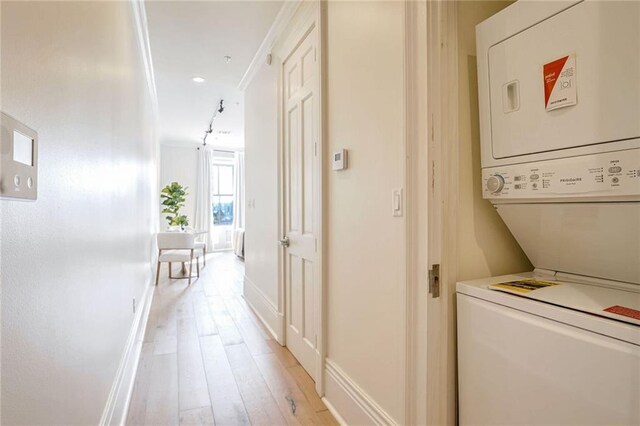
(278,27)
(117,406)
(306,19)
(142,31)
(322,302)
(416,229)
(334,412)
(442,49)
(349,402)
(266,311)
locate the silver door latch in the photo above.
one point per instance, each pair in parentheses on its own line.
(284,242)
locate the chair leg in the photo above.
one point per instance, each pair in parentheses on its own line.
(158,273)
(204,255)
(190,266)
(170,269)
(198,266)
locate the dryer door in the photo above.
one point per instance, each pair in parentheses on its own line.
(571,80)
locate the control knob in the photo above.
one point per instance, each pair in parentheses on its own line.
(495,183)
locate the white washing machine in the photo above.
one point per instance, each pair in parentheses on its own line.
(551,360)
(559,93)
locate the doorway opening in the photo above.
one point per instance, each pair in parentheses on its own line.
(223,199)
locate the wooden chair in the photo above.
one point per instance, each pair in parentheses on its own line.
(177,247)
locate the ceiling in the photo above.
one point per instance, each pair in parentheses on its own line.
(191,38)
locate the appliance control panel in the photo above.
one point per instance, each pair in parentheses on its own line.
(597,175)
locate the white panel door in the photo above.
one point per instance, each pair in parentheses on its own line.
(301,200)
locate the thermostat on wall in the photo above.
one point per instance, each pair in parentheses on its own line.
(18,160)
(339,160)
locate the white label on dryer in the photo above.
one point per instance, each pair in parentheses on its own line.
(560,83)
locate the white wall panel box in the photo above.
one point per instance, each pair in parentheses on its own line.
(18,160)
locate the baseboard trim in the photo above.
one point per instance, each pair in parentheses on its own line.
(348,403)
(334,412)
(115,411)
(266,311)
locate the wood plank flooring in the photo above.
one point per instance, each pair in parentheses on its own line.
(208,360)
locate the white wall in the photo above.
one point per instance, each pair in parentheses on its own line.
(73,260)
(485,245)
(261,187)
(365,244)
(179,164)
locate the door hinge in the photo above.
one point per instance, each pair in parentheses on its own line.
(434,281)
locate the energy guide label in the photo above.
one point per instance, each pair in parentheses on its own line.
(560,83)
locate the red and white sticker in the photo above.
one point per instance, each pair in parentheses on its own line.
(624,311)
(560,83)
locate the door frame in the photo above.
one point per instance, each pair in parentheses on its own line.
(431,142)
(442,169)
(308,16)
(418,201)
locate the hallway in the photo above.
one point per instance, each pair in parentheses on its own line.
(207,359)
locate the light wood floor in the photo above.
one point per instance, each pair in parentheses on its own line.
(207,359)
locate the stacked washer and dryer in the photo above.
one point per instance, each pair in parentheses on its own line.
(559,92)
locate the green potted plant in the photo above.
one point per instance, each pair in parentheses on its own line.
(173,198)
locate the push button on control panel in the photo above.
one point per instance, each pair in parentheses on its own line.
(616,169)
(534,176)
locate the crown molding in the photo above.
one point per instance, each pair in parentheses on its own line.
(278,27)
(142,33)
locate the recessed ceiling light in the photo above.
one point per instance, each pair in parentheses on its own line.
(227,59)
(198,79)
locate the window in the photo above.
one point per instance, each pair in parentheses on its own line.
(222,194)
